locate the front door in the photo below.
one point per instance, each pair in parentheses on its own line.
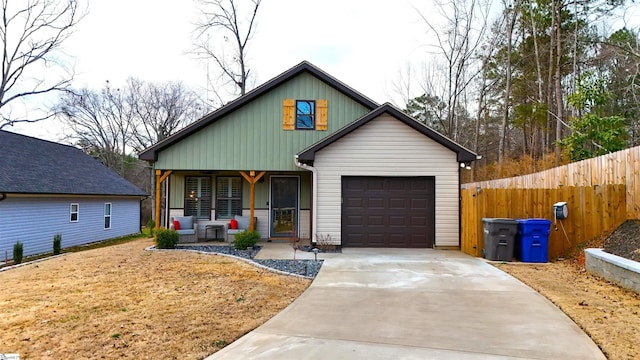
(283,206)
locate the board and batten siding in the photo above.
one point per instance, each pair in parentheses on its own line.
(387,147)
(252,138)
(35,220)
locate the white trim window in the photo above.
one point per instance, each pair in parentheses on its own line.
(74,212)
(228,197)
(107,216)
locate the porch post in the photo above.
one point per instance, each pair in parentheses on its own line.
(252,179)
(160,177)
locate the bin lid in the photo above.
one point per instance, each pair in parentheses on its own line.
(499,220)
(534,221)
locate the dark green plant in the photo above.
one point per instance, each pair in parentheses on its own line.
(151,226)
(17,252)
(245,239)
(166,239)
(593,133)
(57,244)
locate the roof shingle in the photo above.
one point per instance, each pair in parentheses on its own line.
(34,166)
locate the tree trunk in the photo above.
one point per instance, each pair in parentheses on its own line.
(558,79)
(507,91)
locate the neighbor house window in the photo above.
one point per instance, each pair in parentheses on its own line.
(197,200)
(305,114)
(74,212)
(107,215)
(228,197)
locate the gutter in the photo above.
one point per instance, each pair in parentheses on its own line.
(3,196)
(314,200)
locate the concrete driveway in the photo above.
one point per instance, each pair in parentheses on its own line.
(414,304)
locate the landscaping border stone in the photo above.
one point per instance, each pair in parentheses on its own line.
(619,270)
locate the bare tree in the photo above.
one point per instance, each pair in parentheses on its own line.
(160,110)
(223,23)
(464,29)
(32,31)
(513,11)
(101,124)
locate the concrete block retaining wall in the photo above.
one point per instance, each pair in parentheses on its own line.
(623,272)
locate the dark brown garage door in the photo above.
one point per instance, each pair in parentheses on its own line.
(388,211)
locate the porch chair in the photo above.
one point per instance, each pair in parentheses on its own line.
(186,227)
(243,224)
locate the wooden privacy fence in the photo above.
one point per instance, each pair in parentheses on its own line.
(592,211)
(619,168)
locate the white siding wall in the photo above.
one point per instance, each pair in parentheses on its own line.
(35,220)
(387,147)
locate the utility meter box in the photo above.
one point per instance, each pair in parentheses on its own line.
(560,210)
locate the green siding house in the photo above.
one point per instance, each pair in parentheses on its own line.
(310,157)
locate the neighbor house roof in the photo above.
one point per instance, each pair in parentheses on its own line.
(151,154)
(464,155)
(34,166)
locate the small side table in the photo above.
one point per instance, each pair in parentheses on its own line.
(215,228)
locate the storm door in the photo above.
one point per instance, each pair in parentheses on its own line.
(284,206)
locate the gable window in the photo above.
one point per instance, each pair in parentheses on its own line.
(228,197)
(74,212)
(107,216)
(305,114)
(197,200)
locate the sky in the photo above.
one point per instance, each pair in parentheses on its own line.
(365,44)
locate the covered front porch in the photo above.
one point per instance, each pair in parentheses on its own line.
(279,201)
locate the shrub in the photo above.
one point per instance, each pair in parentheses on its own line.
(151,226)
(57,244)
(166,239)
(246,238)
(17,252)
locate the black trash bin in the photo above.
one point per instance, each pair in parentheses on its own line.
(499,238)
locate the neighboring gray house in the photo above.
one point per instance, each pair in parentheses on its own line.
(48,188)
(312,158)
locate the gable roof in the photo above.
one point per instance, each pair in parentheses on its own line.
(34,166)
(151,153)
(464,155)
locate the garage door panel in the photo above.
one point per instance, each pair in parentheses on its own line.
(355,220)
(354,203)
(420,203)
(397,203)
(398,221)
(388,211)
(418,220)
(376,203)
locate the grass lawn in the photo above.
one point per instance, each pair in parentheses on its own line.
(124,302)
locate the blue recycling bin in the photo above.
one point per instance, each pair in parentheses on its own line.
(532,240)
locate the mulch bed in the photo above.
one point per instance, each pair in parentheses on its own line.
(625,241)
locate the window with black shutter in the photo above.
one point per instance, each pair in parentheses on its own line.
(228,197)
(197,200)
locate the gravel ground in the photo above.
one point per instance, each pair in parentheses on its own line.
(307,268)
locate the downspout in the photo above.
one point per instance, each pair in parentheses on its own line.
(314,195)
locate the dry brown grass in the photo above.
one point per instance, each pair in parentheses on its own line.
(124,302)
(609,314)
(522,165)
